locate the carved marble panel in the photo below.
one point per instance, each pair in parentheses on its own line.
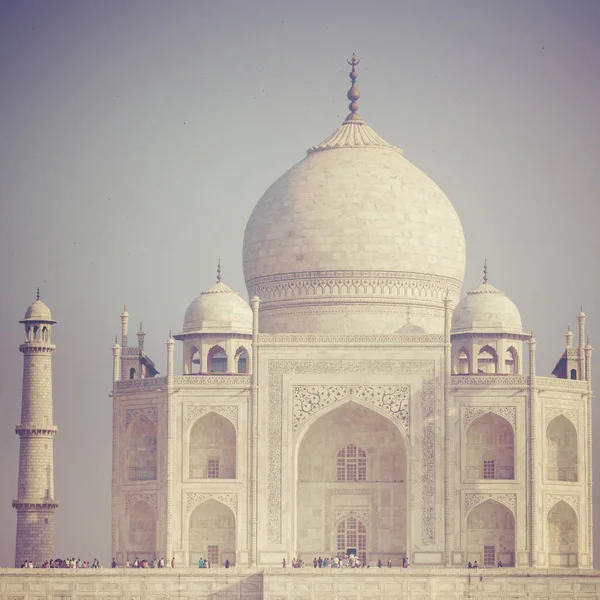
(572,414)
(148,411)
(473,499)
(193,499)
(309,400)
(470,413)
(150,498)
(551,499)
(194,411)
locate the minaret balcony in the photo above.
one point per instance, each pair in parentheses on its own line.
(30,429)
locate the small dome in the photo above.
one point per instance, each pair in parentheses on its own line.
(38,311)
(218,310)
(486,309)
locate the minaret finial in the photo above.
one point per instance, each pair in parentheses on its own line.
(115,340)
(219,271)
(38,293)
(353,93)
(485,277)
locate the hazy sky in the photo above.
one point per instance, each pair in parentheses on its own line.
(136,137)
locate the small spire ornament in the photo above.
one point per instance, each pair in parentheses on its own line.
(353,93)
(38,293)
(485,276)
(219,271)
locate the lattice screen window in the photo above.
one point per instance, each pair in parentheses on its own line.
(351,464)
(489,470)
(213,468)
(489,556)
(213,555)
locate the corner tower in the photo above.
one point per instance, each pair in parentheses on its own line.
(35,501)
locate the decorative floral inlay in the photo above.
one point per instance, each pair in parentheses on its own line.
(195,410)
(132,413)
(361,515)
(508,500)
(572,414)
(149,498)
(192,499)
(310,399)
(473,412)
(551,499)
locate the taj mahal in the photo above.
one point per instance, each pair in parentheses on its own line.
(359,403)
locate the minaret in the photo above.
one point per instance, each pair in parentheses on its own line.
(35,501)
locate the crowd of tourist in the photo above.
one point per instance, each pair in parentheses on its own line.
(64,563)
(348,561)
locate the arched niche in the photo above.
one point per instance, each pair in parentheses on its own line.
(490,452)
(141,531)
(212,448)
(142,450)
(563,542)
(377,450)
(211,534)
(463,361)
(195,365)
(217,360)
(561,444)
(487,360)
(511,361)
(491,535)
(242,360)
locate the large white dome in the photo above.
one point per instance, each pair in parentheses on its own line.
(351,236)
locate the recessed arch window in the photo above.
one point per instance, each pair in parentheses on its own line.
(217,360)
(487,360)
(511,361)
(573,373)
(463,361)
(351,464)
(241,360)
(561,441)
(490,448)
(194,366)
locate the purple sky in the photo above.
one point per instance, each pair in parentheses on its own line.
(136,137)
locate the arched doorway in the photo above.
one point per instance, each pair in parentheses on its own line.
(562,536)
(351,486)
(211,534)
(491,535)
(141,532)
(490,448)
(351,537)
(561,439)
(212,448)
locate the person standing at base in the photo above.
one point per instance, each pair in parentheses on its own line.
(173,563)
(227,563)
(283,563)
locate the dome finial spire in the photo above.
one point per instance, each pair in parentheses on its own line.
(485,277)
(353,93)
(38,293)
(219,271)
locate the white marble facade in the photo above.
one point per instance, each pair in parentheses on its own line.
(357,404)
